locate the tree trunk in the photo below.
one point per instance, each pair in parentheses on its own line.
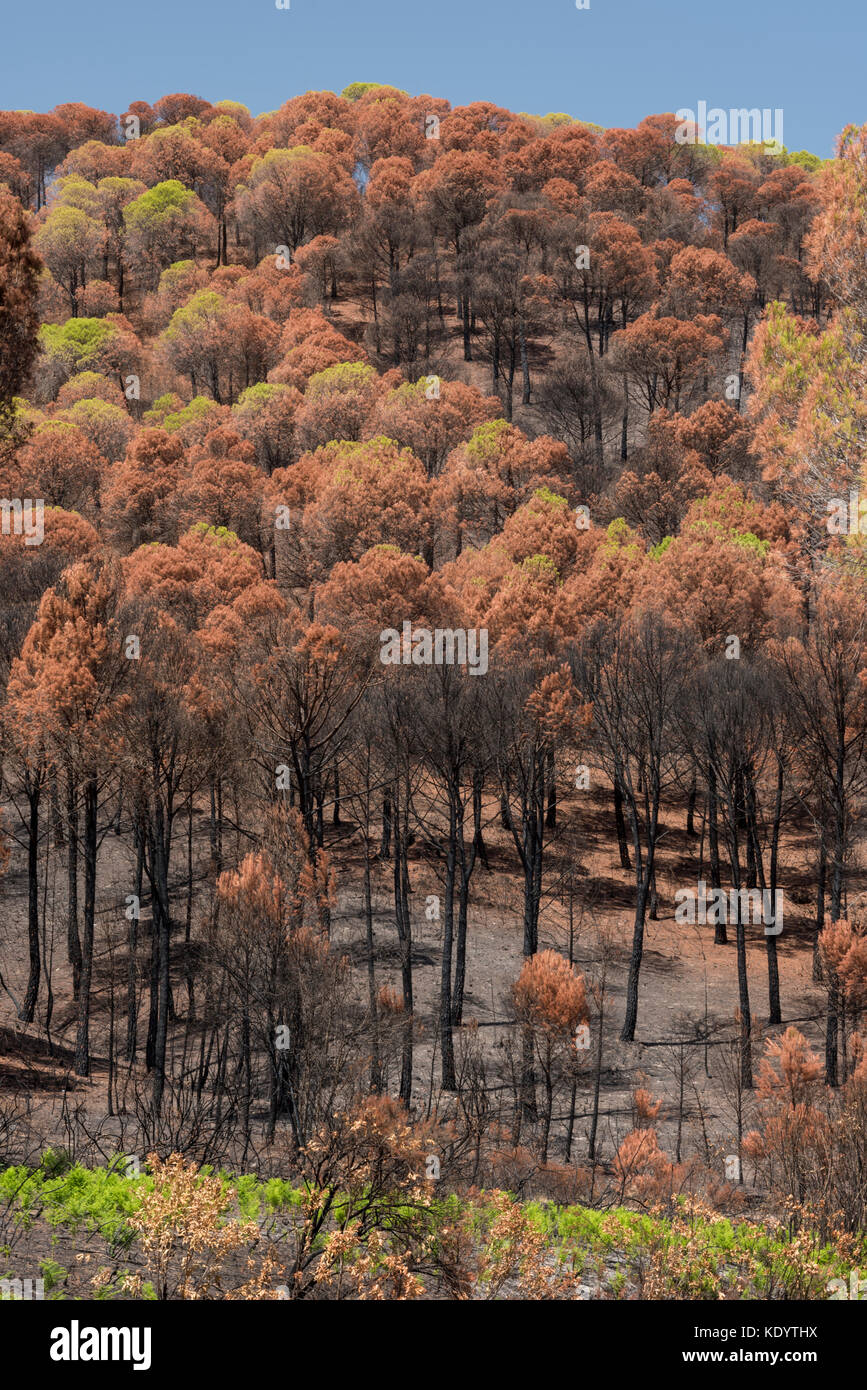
(404,932)
(373,1005)
(28,1008)
(82,1040)
(447,1048)
(720,937)
(132,962)
(620,824)
(821,878)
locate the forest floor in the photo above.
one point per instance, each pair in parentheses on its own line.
(687,982)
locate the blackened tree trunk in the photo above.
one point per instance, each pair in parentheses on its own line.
(720,936)
(467,862)
(132,961)
(832,1028)
(82,1039)
(373,1003)
(620,824)
(691,804)
(775,1011)
(162,928)
(746,1026)
(403,922)
(33,792)
(385,839)
(73,942)
(447,1046)
(821,880)
(644,866)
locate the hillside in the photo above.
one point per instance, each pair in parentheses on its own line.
(433,674)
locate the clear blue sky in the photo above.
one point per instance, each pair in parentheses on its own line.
(614,63)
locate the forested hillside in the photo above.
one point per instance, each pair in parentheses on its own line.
(433,674)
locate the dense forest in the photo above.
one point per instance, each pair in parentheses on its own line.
(433,705)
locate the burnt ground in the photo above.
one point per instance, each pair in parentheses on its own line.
(687,981)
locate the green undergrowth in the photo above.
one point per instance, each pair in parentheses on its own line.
(702,1255)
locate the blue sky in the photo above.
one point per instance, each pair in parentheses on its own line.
(614,63)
